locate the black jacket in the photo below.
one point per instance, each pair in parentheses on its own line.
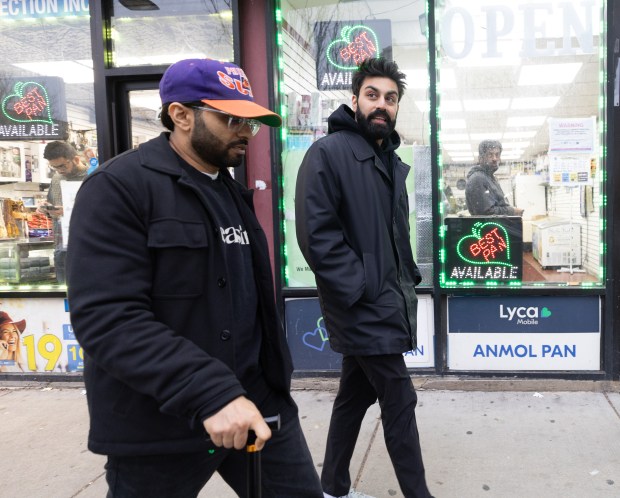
(151,307)
(484,194)
(352,221)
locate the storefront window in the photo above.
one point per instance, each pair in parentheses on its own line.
(47,136)
(160,32)
(316,80)
(144,115)
(521,100)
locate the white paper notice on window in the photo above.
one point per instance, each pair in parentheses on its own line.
(572,135)
(69,191)
(570,170)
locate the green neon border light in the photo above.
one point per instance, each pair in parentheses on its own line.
(278,52)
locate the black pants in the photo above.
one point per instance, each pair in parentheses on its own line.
(287,469)
(363,380)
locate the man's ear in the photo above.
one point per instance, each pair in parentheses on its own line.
(354,103)
(182,116)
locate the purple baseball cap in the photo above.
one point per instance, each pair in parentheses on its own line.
(221,85)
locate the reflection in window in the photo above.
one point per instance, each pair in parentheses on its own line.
(526,77)
(145,108)
(161,32)
(321,43)
(46,90)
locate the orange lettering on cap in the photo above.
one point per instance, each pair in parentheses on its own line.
(226,80)
(243,87)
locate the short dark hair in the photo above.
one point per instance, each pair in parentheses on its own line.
(485,145)
(381,67)
(165,118)
(58,150)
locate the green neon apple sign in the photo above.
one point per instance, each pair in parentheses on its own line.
(355,45)
(29,103)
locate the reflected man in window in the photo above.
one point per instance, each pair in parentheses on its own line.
(483,193)
(68,166)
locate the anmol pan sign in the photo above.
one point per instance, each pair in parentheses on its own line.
(524,333)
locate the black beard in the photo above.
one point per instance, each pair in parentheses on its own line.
(490,168)
(212,150)
(375,131)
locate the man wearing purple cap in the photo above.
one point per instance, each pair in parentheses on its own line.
(171,298)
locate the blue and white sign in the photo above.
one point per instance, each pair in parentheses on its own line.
(308,338)
(524,333)
(424,355)
(37,9)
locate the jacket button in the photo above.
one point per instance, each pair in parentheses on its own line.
(221,282)
(225,335)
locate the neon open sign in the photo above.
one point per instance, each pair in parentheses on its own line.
(483,249)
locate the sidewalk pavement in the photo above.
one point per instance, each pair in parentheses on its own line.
(502,438)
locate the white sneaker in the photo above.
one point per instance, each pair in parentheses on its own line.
(352,494)
(358,494)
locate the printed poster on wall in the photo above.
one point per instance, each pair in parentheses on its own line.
(571,170)
(342,45)
(572,151)
(572,135)
(12,162)
(524,333)
(308,338)
(36,336)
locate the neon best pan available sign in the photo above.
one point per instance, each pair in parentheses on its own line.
(481,250)
(342,46)
(32,109)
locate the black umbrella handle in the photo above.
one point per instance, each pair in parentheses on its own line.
(253,459)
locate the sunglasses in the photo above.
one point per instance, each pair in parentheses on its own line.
(235,123)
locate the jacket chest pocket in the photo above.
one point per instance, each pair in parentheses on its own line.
(179,257)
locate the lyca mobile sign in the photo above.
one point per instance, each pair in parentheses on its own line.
(524,333)
(548,314)
(524,315)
